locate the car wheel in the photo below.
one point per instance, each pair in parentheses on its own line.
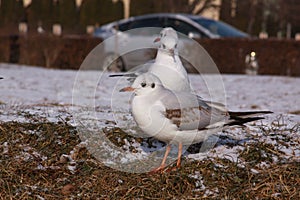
(113,63)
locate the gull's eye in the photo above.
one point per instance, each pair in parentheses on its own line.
(160,34)
(143,84)
(175,45)
(153,85)
(164,46)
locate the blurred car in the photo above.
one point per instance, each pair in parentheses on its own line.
(193,26)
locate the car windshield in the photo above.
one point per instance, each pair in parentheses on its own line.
(219,28)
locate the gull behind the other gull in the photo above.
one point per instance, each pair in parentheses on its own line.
(167,65)
(179,118)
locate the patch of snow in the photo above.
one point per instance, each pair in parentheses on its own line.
(199,181)
(39,197)
(230,153)
(72,167)
(254,171)
(263,165)
(5,148)
(120,181)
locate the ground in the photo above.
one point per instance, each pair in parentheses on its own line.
(70,135)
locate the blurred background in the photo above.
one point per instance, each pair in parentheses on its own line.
(31,29)
(276,18)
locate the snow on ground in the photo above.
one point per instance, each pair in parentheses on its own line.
(24,85)
(92,96)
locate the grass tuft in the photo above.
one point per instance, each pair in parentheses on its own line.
(37,160)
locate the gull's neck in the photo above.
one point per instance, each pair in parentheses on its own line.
(165,58)
(164,55)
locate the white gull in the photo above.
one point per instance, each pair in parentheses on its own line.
(179,118)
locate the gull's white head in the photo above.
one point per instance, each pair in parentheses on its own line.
(168,39)
(144,84)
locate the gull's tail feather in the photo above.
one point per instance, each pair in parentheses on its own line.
(242,121)
(132,75)
(240,118)
(115,75)
(238,115)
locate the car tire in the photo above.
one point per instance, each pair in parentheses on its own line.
(113,63)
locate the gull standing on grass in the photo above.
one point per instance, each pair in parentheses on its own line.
(179,118)
(167,65)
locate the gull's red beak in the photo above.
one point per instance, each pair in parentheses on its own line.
(156,40)
(127,89)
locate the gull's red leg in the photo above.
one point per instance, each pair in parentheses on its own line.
(179,155)
(163,163)
(178,158)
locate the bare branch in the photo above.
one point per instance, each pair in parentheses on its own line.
(206,5)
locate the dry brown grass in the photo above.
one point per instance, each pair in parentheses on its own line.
(33,166)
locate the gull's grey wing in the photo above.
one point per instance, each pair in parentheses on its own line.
(189,112)
(195,118)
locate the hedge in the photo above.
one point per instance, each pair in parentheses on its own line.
(275,57)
